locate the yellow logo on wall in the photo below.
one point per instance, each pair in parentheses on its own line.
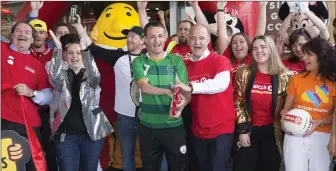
(15,151)
(115,18)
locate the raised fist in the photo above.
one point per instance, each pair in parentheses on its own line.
(293,6)
(221,4)
(303,7)
(36,5)
(142,4)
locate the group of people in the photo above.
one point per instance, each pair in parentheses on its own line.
(200,105)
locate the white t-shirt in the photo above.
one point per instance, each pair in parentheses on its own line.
(123,102)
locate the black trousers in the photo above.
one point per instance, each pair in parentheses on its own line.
(21,130)
(45,134)
(213,154)
(187,120)
(172,141)
(262,155)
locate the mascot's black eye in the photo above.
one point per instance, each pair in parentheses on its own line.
(229,22)
(128,14)
(304,24)
(108,15)
(296,26)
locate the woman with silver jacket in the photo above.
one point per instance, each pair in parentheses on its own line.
(79,125)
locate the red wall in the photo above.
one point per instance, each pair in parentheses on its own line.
(51,12)
(247,12)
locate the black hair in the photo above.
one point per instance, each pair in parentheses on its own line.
(185,21)
(326,57)
(69,39)
(334,22)
(293,37)
(62,24)
(153,24)
(248,41)
(173,35)
(23,22)
(319,9)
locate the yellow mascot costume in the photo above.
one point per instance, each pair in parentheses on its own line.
(107,34)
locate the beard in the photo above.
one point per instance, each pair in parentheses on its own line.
(183,41)
(38,44)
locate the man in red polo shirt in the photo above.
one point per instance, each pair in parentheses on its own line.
(43,53)
(39,48)
(211,103)
(22,75)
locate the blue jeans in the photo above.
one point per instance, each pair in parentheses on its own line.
(78,152)
(127,129)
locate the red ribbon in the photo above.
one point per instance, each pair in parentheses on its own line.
(34,143)
(176,100)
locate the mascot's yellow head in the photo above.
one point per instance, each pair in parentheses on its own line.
(114,18)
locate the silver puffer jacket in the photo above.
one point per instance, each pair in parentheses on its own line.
(95,120)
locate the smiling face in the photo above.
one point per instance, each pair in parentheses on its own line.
(112,21)
(155,40)
(22,37)
(311,61)
(302,21)
(260,52)
(183,32)
(73,56)
(297,47)
(198,40)
(239,46)
(39,38)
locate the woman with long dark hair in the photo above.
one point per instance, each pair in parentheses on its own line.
(295,61)
(313,90)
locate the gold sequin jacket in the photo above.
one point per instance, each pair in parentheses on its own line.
(243,84)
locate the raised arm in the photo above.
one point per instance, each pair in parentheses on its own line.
(142,5)
(163,21)
(319,24)
(223,38)
(109,56)
(92,74)
(55,66)
(284,27)
(261,26)
(35,8)
(200,17)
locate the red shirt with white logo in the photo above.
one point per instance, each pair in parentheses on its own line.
(18,68)
(295,67)
(261,100)
(213,114)
(237,63)
(183,50)
(43,57)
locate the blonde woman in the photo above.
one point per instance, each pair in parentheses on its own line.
(259,94)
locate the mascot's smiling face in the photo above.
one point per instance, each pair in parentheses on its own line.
(114,18)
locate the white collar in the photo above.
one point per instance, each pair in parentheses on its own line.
(165,54)
(205,54)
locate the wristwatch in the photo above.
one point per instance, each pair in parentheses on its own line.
(34,93)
